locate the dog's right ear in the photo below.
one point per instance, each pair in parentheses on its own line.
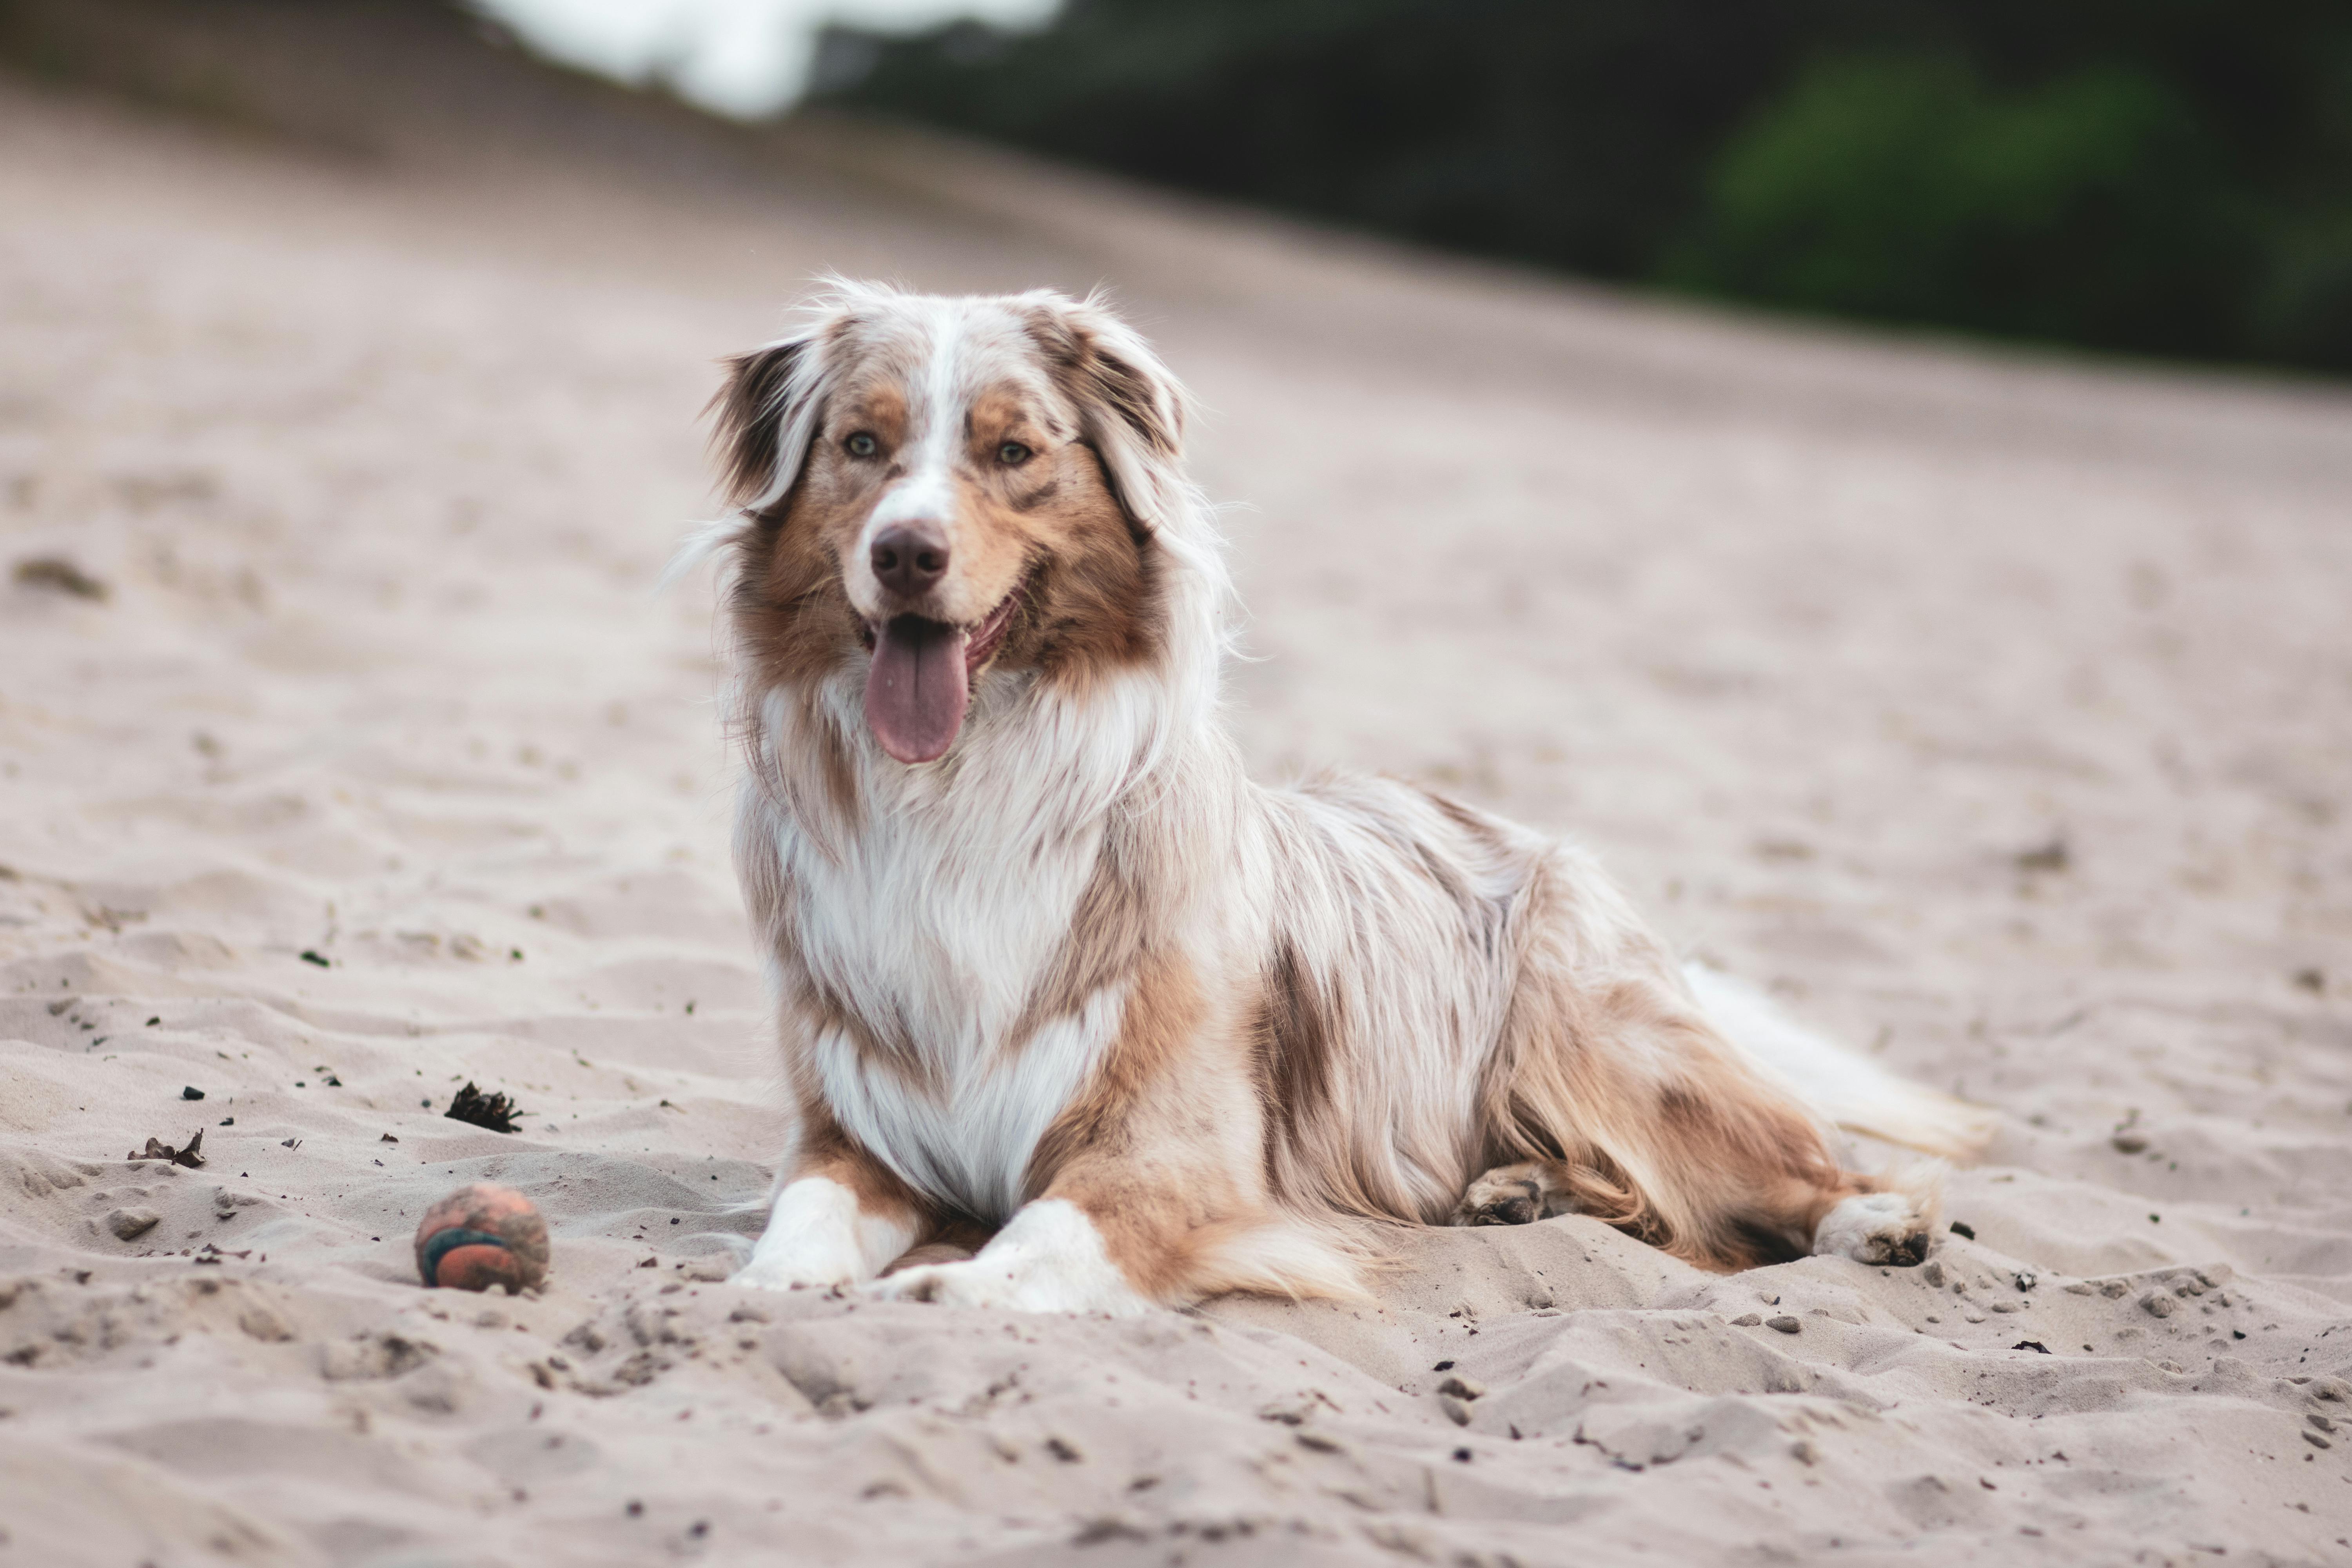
(763,418)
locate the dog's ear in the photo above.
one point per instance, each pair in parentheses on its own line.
(1131,409)
(762,420)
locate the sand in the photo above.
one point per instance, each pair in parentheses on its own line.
(1994,710)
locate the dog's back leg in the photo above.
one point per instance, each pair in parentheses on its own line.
(1612,1094)
(1516,1195)
(1776,1204)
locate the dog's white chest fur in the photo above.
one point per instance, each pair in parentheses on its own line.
(967,1140)
(930,927)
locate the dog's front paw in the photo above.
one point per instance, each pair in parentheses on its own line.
(1014,1285)
(965,1284)
(1884,1229)
(1509,1194)
(798,1268)
(759,1275)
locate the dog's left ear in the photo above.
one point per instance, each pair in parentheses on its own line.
(763,417)
(1132,411)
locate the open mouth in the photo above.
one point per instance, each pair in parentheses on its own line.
(920,680)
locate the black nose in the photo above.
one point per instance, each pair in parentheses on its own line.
(910,558)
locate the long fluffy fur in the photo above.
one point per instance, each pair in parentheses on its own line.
(1084,956)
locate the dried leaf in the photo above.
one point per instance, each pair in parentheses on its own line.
(191,1156)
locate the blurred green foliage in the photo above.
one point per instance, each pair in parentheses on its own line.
(2170,176)
(2086,208)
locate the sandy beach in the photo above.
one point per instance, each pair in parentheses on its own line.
(1993,708)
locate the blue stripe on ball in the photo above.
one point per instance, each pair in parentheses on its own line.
(445,1242)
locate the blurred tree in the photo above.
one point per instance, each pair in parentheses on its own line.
(2089,208)
(1561,132)
(2304,315)
(2167,175)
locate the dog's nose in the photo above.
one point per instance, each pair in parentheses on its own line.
(910,558)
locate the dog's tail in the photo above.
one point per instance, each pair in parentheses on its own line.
(1844,1089)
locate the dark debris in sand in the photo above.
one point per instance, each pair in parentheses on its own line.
(495,1111)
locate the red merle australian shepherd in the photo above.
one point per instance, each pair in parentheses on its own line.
(1047,964)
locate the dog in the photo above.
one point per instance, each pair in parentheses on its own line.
(1049,969)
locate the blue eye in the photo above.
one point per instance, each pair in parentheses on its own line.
(1013,453)
(862,445)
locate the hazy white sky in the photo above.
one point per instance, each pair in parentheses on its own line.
(744,58)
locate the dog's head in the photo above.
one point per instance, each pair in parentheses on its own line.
(940,490)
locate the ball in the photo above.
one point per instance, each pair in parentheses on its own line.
(482,1236)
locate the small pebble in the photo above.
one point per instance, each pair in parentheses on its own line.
(1784,1323)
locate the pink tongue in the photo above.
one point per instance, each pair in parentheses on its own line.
(916,691)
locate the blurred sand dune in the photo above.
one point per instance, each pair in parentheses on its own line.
(1997,710)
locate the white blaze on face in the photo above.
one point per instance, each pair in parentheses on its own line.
(925,490)
(919,684)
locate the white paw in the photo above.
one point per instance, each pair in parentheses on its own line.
(1876,1227)
(1013,1288)
(1049,1259)
(780,1273)
(817,1238)
(965,1284)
